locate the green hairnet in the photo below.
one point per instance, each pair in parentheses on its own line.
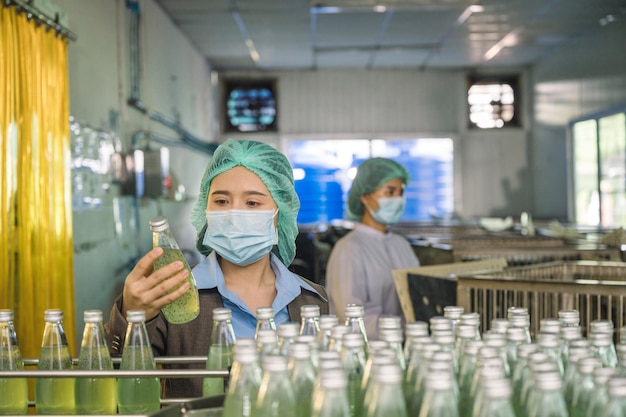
(370,176)
(276,173)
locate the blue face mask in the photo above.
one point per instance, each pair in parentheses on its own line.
(389,211)
(242,237)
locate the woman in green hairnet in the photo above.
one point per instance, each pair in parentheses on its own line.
(359,269)
(245,217)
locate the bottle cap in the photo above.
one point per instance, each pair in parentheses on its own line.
(352,340)
(500,325)
(375,345)
(471,347)
(515,334)
(222,314)
(135,316)
(438,381)
(6,315)
(602,375)
(453,312)
(158,224)
(387,374)
(266,336)
(571,333)
(416,328)
(333,378)
(569,317)
(338,331)
(516,311)
(588,365)
(440,323)
(549,326)
(391,335)
(327,321)
(275,363)
(525,349)
(53,315)
(289,329)
(92,316)
(300,350)
(470,318)
(310,311)
(264,313)
(354,310)
(389,321)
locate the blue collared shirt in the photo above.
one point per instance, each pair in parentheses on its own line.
(208,274)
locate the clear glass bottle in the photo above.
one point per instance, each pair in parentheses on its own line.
(389,321)
(519,372)
(549,400)
(413,330)
(549,343)
(353,361)
(439,398)
(287,334)
(466,372)
(221,351)
(499,325)
(330,397)
(245,379)
(336,337)
(569,318)
(14,398)
(584,388)
(520,318)
(313,347)
(140,395)
(549,325)
(496,399)
(385,398)
(310,320)
(616,407)
(515,336)
(277,396)
(571,376)
(186,307)
(95,395)
(267,342)
(414,391)
(394,338)
(327,321)
(381,356)
(453,313)
(602,347)
(439,324)
(302,374)
(264,320)
(355,319)
(568,334)
(54,395)
(472,319)
(600,396)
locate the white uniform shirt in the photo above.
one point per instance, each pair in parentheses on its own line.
(359,272)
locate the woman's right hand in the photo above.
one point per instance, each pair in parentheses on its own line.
(149,290)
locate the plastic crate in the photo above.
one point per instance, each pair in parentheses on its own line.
(596,289)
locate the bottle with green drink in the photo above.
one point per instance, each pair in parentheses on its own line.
(14,391)
(220,355)
(187,307)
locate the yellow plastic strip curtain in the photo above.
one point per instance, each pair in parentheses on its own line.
(36,262)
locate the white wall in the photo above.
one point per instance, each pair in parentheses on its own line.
(574,81)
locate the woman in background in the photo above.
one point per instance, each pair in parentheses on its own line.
(245,217)
(360,265)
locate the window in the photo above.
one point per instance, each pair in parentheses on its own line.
(599,147)
(250,105)
(493,102)
(324,170)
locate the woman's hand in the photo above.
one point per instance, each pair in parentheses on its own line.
(149,290)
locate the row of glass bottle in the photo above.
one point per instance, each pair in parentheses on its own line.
(65,395)
(450,371)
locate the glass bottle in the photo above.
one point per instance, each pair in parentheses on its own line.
(355,319)
(330,398)
(568,334)
(140,395)
(276,397)
(549,400)
(549,325)
(439,324)
(569,318)
(310,320)
(549,343)
(54,395)
(287,334)
(439,398)
(515,336)
(336,337)
(313,347)
(521,319)
(267,342)
(264,320)
(186,307)
(353,361)
(327,321)
(394,338)
(584,388)
(95,395)
(602,347)
(14,398)
(413,330)
(385,398)
(616,407)
(389,321)
(472,319)
(302,374)
(499,325)
(466,373)
(245,379)
(571,373)
(603,379)
(453,313)
(220,355)
(497,399)
(519,372)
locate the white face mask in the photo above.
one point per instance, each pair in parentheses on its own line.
(241,236)
(389,211)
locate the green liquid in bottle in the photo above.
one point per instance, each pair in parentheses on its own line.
(54,395)
(187,307)
(96,395)
(13,391)
(138,395)
(220,357)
